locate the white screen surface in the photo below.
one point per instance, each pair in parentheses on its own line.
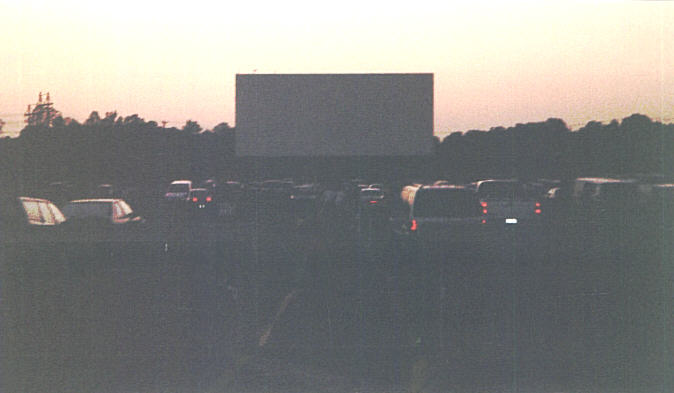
(287,115)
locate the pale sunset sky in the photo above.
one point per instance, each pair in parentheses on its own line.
(495,64)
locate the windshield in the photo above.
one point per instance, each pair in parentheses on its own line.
(199,193)
(501,190)
(182,187)
(615,191)
(371,193)
(445,203)
(87,209)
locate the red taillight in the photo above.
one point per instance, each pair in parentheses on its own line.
(413,226)
(373,201)
(484,211)
(537,211)
(208,199)
(483,204)
(484,221)
(538,204)
(195,199)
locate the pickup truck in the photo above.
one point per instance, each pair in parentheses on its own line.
(507,201)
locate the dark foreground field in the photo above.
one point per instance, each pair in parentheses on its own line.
(340,305)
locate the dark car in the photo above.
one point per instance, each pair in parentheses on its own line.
(201,201)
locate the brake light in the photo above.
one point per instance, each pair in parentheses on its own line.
(413,226)
(484,221)
(484,211)
(209,198)
(537,211)
(538,204)
(373,201)
(195,199)
(483,204)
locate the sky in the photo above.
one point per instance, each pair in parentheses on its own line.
(494,63)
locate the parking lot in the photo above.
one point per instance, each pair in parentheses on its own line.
(222,302)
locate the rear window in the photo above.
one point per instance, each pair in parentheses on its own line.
(58,215)
(179,188)
(501,190)
(371,193)
(617,190)
(199,193)
(47,215)
(445,203)
(32,211)
(88,209)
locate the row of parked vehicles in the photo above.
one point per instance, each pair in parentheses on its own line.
(277,195)
(27,218)
(429,207)
(460,212)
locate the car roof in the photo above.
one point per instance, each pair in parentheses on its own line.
(601,180)
(24,198)
(444,187)
(497,181)
(96,200)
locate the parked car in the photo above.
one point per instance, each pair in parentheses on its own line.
(201,201)
(372,200)
(507,201)
(446,214)
(106,213)
(371,197)
(178,191)
(606,199)
(27,219)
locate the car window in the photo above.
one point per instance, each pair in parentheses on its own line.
(58,216)
(47,216)
(445,203)
(126,209)
(117,211)
(179,188)
(371,193)
(87,209)
(32,212)
(199,193)
(617,191)
(501,190)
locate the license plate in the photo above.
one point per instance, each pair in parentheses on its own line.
(511,221)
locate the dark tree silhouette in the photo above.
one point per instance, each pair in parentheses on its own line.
(192,127)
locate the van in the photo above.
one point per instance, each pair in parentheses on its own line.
(445,213)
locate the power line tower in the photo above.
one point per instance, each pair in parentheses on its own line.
(43,113)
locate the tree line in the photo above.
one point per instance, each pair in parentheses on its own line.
(131,151)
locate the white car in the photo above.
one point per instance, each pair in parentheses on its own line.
(179,190)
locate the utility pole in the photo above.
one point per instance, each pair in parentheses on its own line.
(42,114)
